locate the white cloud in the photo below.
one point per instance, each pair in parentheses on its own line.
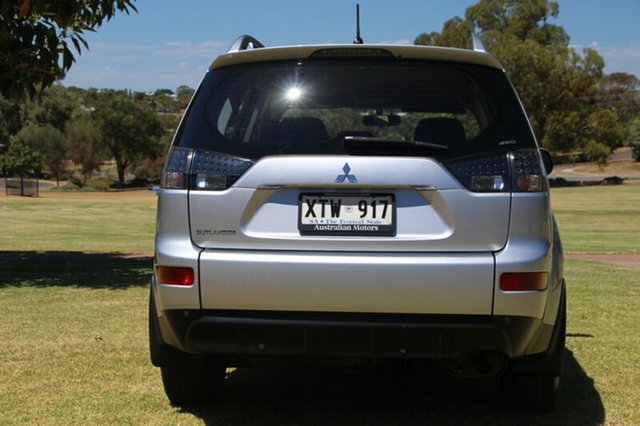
(143,67)
(208,49)
(621,57)
(617,57)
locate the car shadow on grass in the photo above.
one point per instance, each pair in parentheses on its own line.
(386,396)
(74,269)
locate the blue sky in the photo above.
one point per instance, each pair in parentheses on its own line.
(170,43)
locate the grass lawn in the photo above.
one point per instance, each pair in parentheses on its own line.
(79,221)
(599,219)
(74,339)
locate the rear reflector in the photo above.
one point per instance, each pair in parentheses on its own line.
(523,281)
(174,276)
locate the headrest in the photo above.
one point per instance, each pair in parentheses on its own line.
(440,130)
(303,130)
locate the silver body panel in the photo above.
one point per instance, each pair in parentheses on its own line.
(172,248)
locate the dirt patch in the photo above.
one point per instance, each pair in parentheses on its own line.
(626,260)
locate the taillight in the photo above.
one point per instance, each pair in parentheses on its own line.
(216,172)
(176,168)
(484,173)
(523,281)
(528,172)
(175,275)
(202,170)
(518,171)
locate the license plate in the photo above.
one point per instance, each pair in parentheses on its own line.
(347,214)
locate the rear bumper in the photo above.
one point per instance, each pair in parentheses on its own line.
(239,334)
(371,283)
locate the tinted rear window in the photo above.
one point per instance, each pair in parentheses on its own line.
(309,107)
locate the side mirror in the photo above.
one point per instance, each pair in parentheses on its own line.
(547,161)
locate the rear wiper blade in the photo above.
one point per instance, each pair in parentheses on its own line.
(368,142)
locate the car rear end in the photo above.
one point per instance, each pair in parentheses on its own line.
(356,202)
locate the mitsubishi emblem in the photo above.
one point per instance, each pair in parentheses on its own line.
(346,169)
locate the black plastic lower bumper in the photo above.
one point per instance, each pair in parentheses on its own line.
(383,336)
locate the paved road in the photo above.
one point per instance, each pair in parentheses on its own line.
(567,171)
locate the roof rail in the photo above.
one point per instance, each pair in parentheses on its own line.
(244,42)
(478,45)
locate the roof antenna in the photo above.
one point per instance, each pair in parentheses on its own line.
(358,39)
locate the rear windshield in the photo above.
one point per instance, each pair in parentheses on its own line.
(314,106)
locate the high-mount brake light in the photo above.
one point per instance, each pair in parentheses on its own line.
(518,171)
(170,275)
(349,53)
(202,170)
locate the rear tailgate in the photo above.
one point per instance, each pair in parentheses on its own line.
(433,212)
(437,259)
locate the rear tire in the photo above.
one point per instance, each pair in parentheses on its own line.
(533,385)
(530,393)
(157,348)
(191,379)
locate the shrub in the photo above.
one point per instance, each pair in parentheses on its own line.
(74,180)
(69,186)
(597,152)
(98,184)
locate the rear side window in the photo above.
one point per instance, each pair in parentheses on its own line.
(310,107)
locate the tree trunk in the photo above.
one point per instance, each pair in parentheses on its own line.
(122,166)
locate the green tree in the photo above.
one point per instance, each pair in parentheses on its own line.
(11,118)
(130,131)
(37,38)
(85,145)
(184,94)
(558,86)
(20,159)
(634,138)
(48,143)
(620,91)
(164,101)
(54,107)
(597,152)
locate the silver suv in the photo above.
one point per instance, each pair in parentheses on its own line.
(351,203)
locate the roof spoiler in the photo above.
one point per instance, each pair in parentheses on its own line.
(244,42)
(247,42)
